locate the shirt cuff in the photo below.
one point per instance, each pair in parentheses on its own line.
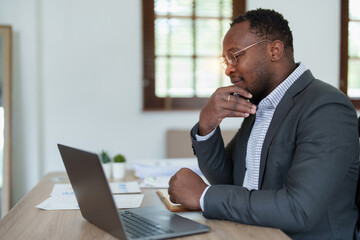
(202,198)
(204,138)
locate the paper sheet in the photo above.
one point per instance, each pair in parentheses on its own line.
(128,200)
(68,202)
(61,189)
(160,182)
(155,182)
(164,167)
(125,187)
(62,196)
(59,202)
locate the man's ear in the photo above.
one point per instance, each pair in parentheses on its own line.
(276,50)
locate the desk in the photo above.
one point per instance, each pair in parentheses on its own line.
(24,221)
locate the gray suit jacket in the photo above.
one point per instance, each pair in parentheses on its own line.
(308,170)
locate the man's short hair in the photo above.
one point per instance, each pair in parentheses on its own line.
(268,24)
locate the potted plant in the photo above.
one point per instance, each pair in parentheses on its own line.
(119,166)
(106,163)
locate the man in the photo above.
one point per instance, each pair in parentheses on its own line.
(294,163)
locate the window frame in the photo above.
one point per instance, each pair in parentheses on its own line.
(150,101)
(344,52)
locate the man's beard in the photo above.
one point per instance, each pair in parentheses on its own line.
(263,83)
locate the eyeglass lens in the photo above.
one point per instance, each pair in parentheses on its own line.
(229,58)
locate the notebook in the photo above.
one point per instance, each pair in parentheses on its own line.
(97,205)
(165,198)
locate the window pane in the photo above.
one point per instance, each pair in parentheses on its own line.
(214,8)
(225,27)
(354,78)
(173,7)
(161,76)
(354,9)
(161,7)
(354,39)
(208,37)
(180,7)
(227,8)
(181,75)
(181,39)
(161,36)
(188,44)
(210,8)
(208,75)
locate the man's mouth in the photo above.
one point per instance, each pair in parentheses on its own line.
(237,80)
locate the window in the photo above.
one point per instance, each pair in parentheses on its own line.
(350,50)
(182,42)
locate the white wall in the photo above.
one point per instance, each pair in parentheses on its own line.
(316,31)
(78,71)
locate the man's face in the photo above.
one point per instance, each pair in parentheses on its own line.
(253,65)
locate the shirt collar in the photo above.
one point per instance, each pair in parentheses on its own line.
(273,99)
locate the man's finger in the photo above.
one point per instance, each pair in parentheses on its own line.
(240,105)
(233,113)
(234,89)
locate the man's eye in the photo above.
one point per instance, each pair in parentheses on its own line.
(240,54)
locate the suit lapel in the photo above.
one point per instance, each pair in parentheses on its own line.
(280,113)
(277,119)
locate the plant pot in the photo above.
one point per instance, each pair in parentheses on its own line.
(107,170)
(118,170)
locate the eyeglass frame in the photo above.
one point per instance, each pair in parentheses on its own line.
(224,60)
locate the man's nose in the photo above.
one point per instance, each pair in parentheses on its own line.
(229,69)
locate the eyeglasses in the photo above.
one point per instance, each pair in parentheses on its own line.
(230,57)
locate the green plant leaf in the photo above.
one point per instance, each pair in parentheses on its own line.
(119,158)
(104,156)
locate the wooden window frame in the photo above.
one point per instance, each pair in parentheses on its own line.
(150,101)
(344,52)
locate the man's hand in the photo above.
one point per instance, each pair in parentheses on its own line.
(220,106)
(186,187)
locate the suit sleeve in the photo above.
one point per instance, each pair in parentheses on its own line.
(213,158)
(326,149)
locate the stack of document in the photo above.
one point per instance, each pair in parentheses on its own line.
(164,167)
(156,173)
(62,196)
(155,182)
(160,182)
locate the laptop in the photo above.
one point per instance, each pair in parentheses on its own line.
(97,205)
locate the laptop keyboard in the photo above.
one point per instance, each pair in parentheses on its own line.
(138,227)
